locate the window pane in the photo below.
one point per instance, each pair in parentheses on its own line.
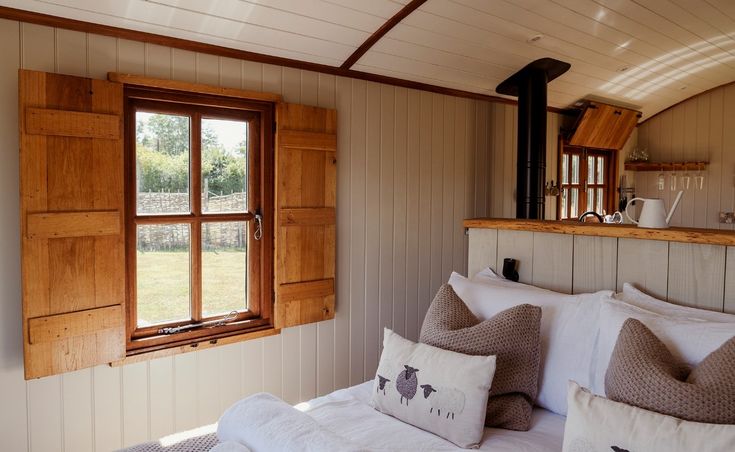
(599,200)
(590,199)
(162,147)
(575,169)
(590,170)
(163,286)
(565,169)
(600,170)
(224,166)
(573,212)
(564,194)
(224,267)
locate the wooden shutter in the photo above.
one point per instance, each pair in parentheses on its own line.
(306,183)
(71,186)
(604,126)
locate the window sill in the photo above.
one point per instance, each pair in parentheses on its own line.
(200,344)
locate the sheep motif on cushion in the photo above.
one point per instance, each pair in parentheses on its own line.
(401,360)
(406,383)
(382,383)
(448,399)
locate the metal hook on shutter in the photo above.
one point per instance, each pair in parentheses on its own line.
(258,234)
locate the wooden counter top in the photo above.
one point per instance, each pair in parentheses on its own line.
(687,235)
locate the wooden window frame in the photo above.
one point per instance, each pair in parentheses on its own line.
(260,184)
(608,185)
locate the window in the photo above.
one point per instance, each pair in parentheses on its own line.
(587,176)
(199,177)
(152,221)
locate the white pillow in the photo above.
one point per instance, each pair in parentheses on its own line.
(569,326)
(596,424)
(633,296)
(688,340)
(440,391)
(488,275)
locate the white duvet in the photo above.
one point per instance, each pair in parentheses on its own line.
(347,414)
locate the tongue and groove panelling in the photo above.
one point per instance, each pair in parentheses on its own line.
(688,274)
(701,128)
(411,166)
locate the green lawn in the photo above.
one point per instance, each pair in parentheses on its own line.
(163,284)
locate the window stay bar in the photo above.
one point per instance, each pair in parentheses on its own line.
(208,324)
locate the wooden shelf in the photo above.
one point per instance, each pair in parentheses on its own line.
(686,235)
(666,166)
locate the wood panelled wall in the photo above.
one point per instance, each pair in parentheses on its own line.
(681,273)
(699,129)
(500,187)
(411,166)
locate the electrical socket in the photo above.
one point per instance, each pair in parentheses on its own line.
(727,217)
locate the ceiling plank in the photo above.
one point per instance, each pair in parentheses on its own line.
(196,46)
(663,110)
(380,32)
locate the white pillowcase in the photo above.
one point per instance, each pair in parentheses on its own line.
(633,296)
(488,275)
(688,340)
(437,390)
(569,326)
(596,424)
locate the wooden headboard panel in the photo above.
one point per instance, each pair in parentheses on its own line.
(699,275)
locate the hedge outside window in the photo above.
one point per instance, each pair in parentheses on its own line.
(198,167)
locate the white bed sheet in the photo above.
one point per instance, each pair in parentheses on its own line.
(347,412)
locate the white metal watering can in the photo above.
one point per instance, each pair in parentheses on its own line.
(653,214)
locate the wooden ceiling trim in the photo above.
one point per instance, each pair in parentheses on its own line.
(195,46)
(412,6)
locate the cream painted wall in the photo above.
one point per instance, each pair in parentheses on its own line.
(684,273)
(699,129)
(501,184)
(411,166)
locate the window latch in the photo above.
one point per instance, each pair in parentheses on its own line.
(258,234)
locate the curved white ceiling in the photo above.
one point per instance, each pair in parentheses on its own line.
(647,53)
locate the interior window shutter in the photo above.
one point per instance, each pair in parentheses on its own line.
(306,170)
(71,186)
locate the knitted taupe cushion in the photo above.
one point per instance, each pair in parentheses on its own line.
(642,372)
(512,336)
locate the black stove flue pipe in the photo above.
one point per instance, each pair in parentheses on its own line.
(529,85)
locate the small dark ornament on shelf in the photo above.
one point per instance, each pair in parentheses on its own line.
(509,269)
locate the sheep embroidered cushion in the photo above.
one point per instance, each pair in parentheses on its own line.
(596,424)
(643,373)
(511,335)
(437,390)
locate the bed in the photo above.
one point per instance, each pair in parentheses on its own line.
(347,412)
(578,334)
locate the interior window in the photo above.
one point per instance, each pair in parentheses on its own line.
(195,246)
(587,181)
